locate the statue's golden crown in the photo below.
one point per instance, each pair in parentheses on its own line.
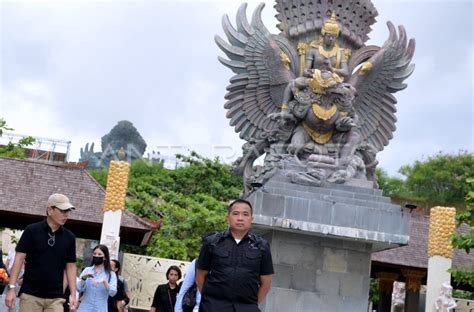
(331,26)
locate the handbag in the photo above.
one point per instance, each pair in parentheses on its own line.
(189,299)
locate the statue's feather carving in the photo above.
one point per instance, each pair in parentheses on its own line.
(375,104)
(257,88)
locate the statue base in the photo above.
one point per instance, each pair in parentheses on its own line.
(321,240)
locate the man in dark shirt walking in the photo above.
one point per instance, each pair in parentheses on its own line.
(49,253)
(234,268)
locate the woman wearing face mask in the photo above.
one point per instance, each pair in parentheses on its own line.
(97,282)
(165,295)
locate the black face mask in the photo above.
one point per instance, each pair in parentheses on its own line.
(97,260)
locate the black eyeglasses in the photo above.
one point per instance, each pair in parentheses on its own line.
(51,239)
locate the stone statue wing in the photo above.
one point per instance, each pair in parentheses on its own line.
(255,56)
(375,103)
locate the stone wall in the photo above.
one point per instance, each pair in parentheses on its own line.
(464,305)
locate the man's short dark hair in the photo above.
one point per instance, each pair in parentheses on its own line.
(239,201)
(174,268)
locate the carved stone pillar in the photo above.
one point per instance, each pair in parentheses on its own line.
(114,204)
(386,280)
(412,289)
(440,252)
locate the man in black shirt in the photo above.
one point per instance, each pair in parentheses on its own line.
(234,268)
(49,253)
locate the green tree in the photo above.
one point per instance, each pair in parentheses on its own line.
(441,179)
(391,186)
(374,294)
(3,126)
(186,219)
(190,201)
(14,150)
(465,241)
(202,175)
(446,180)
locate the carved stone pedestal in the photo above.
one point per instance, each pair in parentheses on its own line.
(321,240)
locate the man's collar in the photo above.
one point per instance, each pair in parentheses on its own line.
(48,228)
(227,233)
(247,235)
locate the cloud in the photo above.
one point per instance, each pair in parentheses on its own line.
(24,102)
(76,69)
(30,107)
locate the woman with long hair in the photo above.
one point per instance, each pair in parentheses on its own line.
(165,294)
(97,282)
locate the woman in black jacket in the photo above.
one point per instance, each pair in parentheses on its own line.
(165,295)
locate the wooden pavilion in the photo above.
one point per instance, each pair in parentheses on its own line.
(26,184)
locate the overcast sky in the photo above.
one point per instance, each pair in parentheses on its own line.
(72,70)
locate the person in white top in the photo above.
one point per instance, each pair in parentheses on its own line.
(189,281)
(10,259)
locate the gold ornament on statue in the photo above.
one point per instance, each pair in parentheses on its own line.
(318,137)
(331,27)
(285,60)
(318,84)
(366,67)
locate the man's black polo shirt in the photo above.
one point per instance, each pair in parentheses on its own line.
(234,272)
(45,264)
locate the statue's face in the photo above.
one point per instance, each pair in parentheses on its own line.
(329,39)
(344,93)
(345,90)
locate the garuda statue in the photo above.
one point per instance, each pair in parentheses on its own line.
(314,100)
(123,141)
